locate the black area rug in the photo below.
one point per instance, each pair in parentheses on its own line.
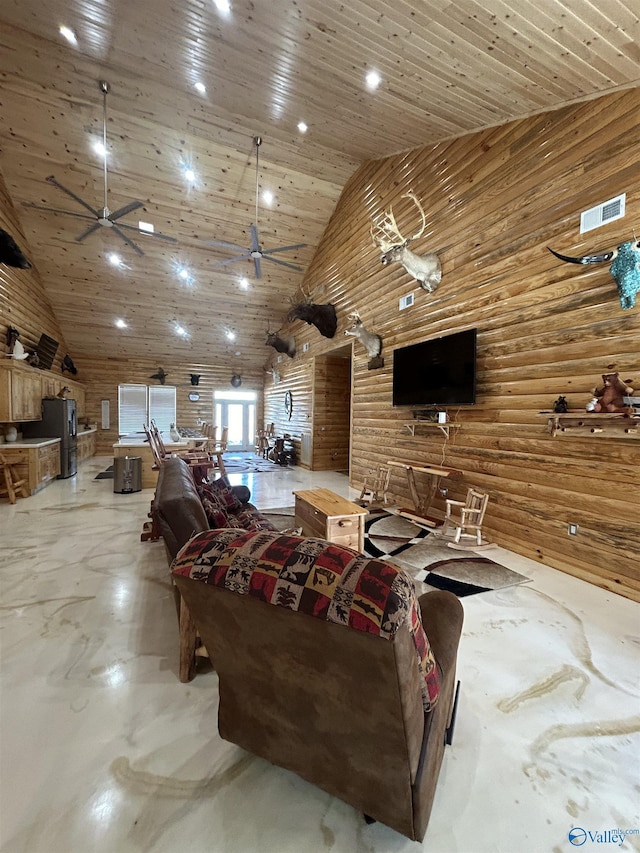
(105,475)
(428,559)
(249,463)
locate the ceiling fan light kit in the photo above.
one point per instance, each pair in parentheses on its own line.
(255,252)
(104,217)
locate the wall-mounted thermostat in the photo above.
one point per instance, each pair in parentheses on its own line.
(405,301)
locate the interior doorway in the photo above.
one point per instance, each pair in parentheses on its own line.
(332,410)
(237,411)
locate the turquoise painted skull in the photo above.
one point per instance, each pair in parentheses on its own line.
(625,269)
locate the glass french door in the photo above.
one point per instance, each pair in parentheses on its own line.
(237,411)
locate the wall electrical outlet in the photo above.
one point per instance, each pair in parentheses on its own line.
(573,529)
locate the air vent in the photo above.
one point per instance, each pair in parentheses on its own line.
(405,301)
(603,213)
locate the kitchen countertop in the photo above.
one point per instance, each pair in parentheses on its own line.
(28,443)
(83,431)
(184,443)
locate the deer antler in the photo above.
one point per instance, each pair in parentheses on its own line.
(389,234)
(422,214)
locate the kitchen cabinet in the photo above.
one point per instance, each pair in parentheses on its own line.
(86,444)
(22,388)
(20,393)
(37,460)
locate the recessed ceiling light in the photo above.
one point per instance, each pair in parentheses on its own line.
(372,80)
(121,324)
(189,175)
(99,148)
(68,34)
(302,127)
(223,6)
(183,273)
(244,283)
(267,196)
(200,87)
(114,259)
(181,331)
(230,335)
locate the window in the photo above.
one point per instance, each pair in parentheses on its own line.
(139,404)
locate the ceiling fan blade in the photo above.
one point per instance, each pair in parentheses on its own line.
(225,245)
(133,205)
(56,210)
(72,195)
(147,233)
(258,268)
(282,263)
(255,244)
(129,242)
(244,257)
(86,233)
(284,249)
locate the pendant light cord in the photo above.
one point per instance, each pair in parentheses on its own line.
(258,142)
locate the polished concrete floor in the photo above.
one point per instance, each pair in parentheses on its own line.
(102,749)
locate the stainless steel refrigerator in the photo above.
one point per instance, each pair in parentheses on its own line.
(58,421)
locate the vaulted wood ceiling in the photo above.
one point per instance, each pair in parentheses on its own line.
(446,70)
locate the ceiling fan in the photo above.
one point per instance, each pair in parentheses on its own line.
(255,251)
(103,216)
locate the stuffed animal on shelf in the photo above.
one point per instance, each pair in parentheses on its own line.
(609,398)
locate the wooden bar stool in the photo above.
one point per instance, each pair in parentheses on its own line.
(11,482)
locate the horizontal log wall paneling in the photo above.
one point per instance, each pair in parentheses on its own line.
(24,303)
(295,376)
(494,201)
(103,375)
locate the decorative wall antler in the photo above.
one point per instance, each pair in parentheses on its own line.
(389,239)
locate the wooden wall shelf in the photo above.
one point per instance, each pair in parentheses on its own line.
(598,425)
(444,428)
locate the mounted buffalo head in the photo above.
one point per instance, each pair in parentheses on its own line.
(625,268)
(10,254)
(284,345)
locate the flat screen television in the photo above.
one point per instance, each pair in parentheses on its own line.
(439,372)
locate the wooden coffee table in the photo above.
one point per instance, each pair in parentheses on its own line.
(322,513)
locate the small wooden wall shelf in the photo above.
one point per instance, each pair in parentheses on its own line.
(597,425)
(444,428)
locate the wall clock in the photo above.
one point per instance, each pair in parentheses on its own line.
(288,403)
(194,397)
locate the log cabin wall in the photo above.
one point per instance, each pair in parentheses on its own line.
(103,375)
(494,200)
(24,303)
(296,376)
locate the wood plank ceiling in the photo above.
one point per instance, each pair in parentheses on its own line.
(446,70)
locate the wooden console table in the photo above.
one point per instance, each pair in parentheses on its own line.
(322,513)
(422,505)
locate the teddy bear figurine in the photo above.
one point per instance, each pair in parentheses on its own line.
(609,398)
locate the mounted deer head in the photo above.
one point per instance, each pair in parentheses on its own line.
(370,341)
(323,317)
(274,373)
(388,238)
(625,268)
(284,345)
